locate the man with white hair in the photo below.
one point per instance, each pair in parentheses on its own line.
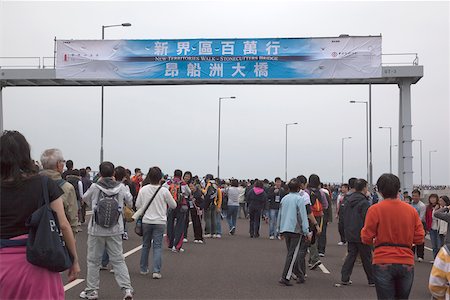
(52,161)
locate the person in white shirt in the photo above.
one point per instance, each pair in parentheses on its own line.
(154,219)
(421,209)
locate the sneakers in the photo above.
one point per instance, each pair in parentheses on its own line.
(145,272)
(207,236)
(92,295)
(315,265)
(420,259)
(125,236)
(322,254)
(185,240)
(174,249)
(284,282)
(371,284)
(346,282)
(294,277)
(198,242)
(111,271)
(128,295)
(232,230)
(157,276)
(271,237)
(341,243)
(218,236)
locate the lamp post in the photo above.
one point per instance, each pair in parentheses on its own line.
(390,146)
(367,137)
(343,139)
(421,157)
(286,148)
(429,162)
(101,127)
(218,138)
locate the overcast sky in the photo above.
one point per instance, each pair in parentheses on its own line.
(176,126)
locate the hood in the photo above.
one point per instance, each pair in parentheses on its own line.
(52,174)
(258,190)
(356,198)
(109,186)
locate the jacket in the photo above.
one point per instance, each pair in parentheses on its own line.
(444,215)
(292,215)
(256,198)
(275,197)
(69,198)
(354,216)
(109,187)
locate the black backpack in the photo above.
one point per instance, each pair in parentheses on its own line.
(107,211)
(74,182)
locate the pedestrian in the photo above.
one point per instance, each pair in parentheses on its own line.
(242,203)
(69,168)
(420,207)
(392,226)
(275,194)
(319,202)
(107,198)
(53,163)
(354,217)
(340,212)
(86,182)
(327,218)
(233,205)
(176,217)
(196,201)
(432,223)
(212,203)
(21,195)
(444,220)
(187,178)
(154,219)
(256,199)
(439,282)
(292,225)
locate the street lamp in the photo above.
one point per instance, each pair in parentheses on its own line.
(101,128)
(368,137)
(429,162)
(218,139)
(286,148)
(390,146)
(420,141)
(343,139)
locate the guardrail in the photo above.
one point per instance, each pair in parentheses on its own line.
(48,62)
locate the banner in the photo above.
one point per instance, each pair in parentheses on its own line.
(220,59)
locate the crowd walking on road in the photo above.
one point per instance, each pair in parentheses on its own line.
(380,227)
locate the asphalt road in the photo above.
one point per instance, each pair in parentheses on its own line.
(237,267)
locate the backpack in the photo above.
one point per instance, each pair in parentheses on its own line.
(316,205)
(175,191)
(74,182)
(107,211)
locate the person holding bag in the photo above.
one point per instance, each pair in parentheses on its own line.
(22,193)
(151,203)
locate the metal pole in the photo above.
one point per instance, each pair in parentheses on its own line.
(367,142)
(342,161)
(421,165)
(218,144)
(102,110)
(390,150)
(429,163)
(1,109)
(285,156)
(370,137)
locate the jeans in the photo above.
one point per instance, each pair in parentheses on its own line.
(152,232)
(322,243)
(255,219)
(96,247)
(218,223)
(232,215)
(243,206)
(210,219)
(393,281)
(313,250)
(175,231)
(353,250)
(273,216)
(435,241)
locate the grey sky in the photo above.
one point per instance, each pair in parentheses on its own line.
(176,126)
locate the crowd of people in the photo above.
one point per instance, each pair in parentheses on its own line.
(384,228)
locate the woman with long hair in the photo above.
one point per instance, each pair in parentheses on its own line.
(432,223)
(21,195)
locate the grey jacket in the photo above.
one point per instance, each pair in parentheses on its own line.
(443,214)
(109,187)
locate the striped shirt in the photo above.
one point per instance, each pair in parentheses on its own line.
(440,275)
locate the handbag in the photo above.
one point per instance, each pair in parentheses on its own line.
(128,214)
(138,227)
(45,245)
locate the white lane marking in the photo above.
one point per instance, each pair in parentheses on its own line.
(72,284)
(324,269)
(429,249)
(89,212)
(78,281)
(133,251)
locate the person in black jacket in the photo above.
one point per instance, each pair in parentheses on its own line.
(275,194)
(354,216)
(256,199)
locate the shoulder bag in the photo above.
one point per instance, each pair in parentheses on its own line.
(138,227)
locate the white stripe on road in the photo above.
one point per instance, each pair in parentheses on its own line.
(72,284)
(429,249)
(78,281)
(324,269)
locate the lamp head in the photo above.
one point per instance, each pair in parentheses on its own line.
(126,24)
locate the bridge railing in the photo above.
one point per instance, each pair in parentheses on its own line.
(48,62)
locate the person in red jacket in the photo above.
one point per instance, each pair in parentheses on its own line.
(393,227)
